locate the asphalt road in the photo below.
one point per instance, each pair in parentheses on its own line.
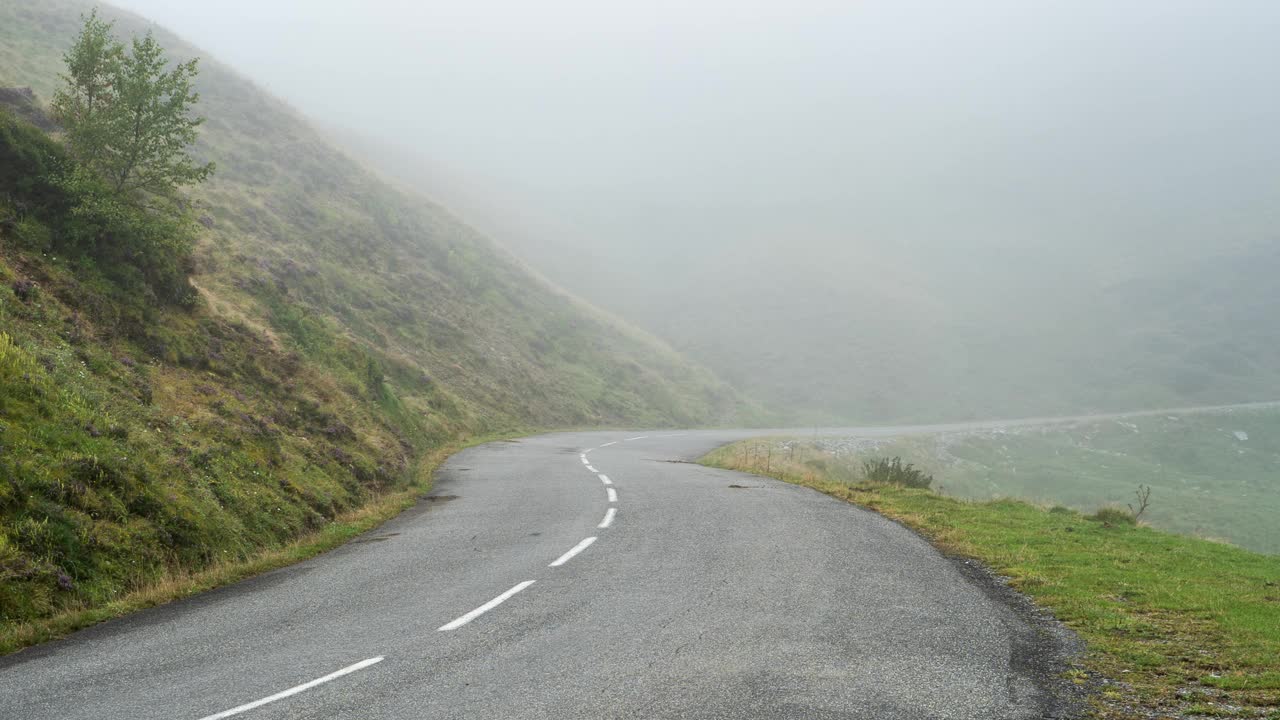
(707,594)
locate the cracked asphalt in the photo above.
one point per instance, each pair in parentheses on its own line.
(699,600)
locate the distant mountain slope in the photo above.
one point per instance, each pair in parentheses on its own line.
(916,338)
(344,332)
(1074,289)
(953,328)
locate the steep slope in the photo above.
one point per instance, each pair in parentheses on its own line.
(343,331)
(295,224)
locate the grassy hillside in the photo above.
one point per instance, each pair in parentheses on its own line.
(1176,627)
(343,332)
(1212,474)
(315,248)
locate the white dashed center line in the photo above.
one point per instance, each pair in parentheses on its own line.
(485,607)
(592,469)
(615,442)
(608,518)
(605,479)
(569,555)
(641,437)
(613,494)
(295,690)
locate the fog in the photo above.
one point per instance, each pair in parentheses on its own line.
(852,210)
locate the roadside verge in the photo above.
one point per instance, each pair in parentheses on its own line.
(1175,626)
(178,584)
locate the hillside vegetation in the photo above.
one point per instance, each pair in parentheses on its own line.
(1211,474)
(338,333)
(1176,627)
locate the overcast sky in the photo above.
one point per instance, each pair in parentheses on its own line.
(802,122)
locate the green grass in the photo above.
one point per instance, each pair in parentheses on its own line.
(1180,626)
(177,581)
(1205,480)
(121,469)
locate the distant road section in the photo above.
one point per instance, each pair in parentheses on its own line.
(578,575)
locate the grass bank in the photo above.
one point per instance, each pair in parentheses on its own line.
(177,582)
(1176,627)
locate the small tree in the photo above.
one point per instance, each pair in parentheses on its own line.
(128,116)
(127,113)
(1143,495)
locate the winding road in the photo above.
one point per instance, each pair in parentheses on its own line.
(577,575)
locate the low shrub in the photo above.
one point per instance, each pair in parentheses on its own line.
(1114,515)
(892,471)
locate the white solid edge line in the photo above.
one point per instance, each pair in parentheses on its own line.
(637,438)
(605,479)
(608,518)
(613,494)
(569,555)
(484,608)
(294,690)
(592,469)
(615,442)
